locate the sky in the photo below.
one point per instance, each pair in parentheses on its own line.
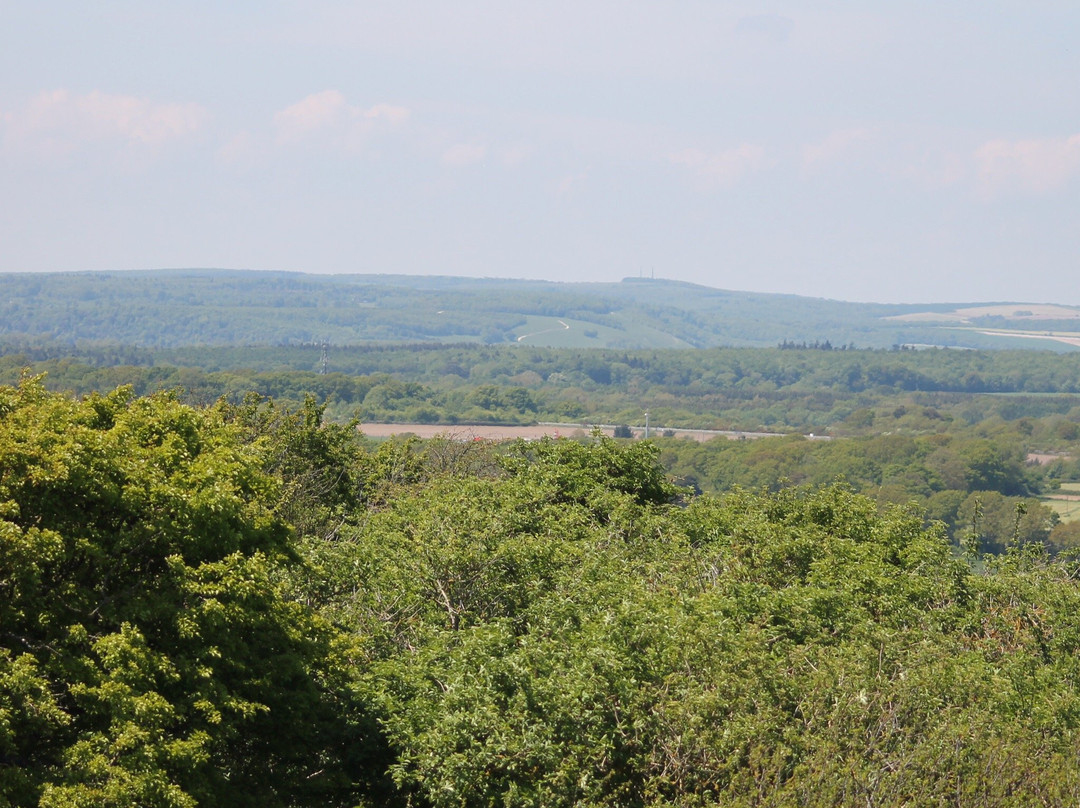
(891,152)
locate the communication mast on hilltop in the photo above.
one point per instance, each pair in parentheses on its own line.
(323,360)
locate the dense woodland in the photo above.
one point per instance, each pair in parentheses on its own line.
(242,604)
(948,430)
(214,590)
(748,389)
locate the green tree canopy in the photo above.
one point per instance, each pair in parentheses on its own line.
(146,657)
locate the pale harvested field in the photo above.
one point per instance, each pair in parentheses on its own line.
(928,317)
(1068,338)
(468,432)
(472,431)
(1042,458)
(1038,312)
(1009,311)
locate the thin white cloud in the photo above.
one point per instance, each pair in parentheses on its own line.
(387,112)
(59,122)
(1035,166)
(835,146)
(330,112)
(516,154)
(313,113)
(722,168)
(242,149)
(463,154)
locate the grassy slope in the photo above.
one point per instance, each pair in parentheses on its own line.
(1068,510)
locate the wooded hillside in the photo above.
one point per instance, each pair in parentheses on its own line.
(184,307)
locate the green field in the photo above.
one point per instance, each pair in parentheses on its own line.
(565,332)
(1067,509)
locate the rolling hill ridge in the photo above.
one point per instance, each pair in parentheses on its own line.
(185,307)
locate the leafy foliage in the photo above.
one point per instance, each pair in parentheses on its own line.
(947,475)
(244,605)
(147,657)
(795,648)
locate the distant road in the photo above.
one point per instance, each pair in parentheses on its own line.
(471,431)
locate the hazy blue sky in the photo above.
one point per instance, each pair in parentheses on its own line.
(907,151)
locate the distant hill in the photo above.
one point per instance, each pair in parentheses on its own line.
(185,307)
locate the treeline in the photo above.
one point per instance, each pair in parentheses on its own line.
(744,389)
(976,483)
(241,605)
(378,398)
(677,372)
(816,345)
